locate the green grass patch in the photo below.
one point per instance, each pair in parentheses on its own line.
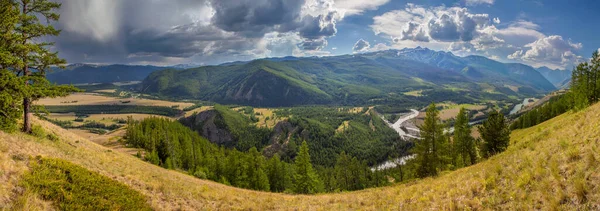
(72,187)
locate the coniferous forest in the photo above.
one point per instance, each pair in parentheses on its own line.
(171,145)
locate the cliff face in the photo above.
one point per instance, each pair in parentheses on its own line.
(209,124)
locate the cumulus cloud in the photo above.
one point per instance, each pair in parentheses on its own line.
(458,30)
(552,51)
(361,45)
(355,7)
(422,24)
(478,2)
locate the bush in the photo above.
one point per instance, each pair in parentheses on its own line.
(38,131)
(72,187)
(52,137)
(200,174)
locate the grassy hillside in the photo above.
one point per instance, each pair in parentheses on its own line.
(554,165)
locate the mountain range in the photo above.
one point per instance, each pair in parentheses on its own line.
(383,77)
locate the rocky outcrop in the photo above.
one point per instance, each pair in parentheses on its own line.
(209,124)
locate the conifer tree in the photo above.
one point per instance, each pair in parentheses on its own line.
(429,150)
(305,178)
(11,87)
(495,134)
(35,58)
(464,143)
(277,174)
(256,172)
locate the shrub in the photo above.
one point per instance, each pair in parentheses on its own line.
(38,131)
(72,187)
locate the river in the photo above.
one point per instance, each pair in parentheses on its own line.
(520,106)
(397,126)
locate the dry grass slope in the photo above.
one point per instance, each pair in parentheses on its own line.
(554,165)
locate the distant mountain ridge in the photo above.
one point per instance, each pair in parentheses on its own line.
(559,78)
(376,77)
(93,73)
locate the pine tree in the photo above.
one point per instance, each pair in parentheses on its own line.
(429,150)
(464,143)
(342,171)
(256,172)
(35,58)
(495,134)
(305,178)
(277,174)
(11,87)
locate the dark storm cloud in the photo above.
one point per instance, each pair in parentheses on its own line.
(255,18)
(127,31)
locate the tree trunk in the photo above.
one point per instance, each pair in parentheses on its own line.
(26,100)
(26,115)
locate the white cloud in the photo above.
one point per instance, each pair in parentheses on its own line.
(355,7)
(422,24)
(552,51)
(361,46)
(464,33)
(478,2)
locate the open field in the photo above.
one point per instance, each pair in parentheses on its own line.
(96,99)
(106,91)
(266,116)
(554,165)
(452,110)
(103,118)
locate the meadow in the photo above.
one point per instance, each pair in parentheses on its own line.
(554,165)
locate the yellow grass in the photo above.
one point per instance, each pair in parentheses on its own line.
(198,110)
(344,126)
(552,166)
(95,99)
(262,115)
(106,91)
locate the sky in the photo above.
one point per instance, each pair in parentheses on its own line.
(553,33)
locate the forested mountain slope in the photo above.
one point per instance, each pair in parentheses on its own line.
(87,73)
(371,78)
(554,165)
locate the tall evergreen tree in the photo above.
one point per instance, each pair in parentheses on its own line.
(495,134)
(585,82)
(256,171)
(464,143)
(277,173)
(35,58)
(429,150)
(11,87)
(306,179)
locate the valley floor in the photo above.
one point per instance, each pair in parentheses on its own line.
(554,165)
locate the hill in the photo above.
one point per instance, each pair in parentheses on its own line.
(554,165)
(371,78)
